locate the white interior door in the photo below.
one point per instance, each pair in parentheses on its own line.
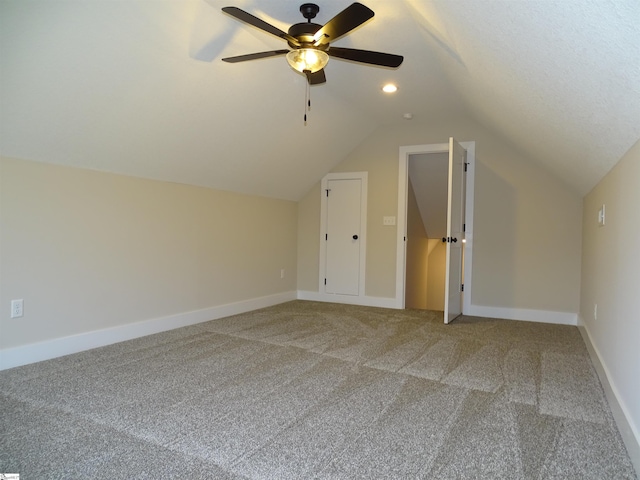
(455,232)
(343,236)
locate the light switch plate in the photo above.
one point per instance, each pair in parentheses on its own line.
(388,220)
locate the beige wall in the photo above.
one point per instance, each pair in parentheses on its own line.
(89,250)
(527,232)
(417,256)
(309,240)
(611,279)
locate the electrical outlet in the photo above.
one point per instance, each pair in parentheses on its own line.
(595,311)
(17,308)
(282,273)
(388,220)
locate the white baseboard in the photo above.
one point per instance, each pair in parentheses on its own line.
(57,347)
(543,316)
(364,301)
(630,435)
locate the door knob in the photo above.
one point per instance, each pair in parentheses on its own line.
(454,239)
(355,237)
(444,239)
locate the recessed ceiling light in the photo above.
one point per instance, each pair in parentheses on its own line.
(389,88)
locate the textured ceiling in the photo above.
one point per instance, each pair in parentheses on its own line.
(137,87)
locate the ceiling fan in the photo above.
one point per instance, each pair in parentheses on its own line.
(310,42)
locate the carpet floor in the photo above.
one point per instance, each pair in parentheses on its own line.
(313,390)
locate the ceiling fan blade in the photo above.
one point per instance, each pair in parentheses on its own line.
(255,56)
(261,24)
(351,17)
(317,77)
(366,56)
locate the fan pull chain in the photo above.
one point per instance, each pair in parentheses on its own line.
(307,99)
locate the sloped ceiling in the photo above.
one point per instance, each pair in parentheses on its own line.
(137,87)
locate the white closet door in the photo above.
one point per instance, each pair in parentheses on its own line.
(343,236)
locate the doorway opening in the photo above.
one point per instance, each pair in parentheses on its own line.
(425,273)
(424,178)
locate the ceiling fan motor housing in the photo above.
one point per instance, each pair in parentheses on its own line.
(304,33)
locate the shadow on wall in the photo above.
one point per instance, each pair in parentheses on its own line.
(436,274)
(417,255)
(494,238)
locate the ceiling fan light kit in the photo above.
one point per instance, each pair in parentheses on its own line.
(309,60)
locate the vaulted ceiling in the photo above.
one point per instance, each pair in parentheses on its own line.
(137,87)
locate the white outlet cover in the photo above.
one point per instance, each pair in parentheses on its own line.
(17,308)
(388,220)
(601,215)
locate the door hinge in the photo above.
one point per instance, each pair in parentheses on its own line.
(462,287)
(328,189)
(465,166)
(325,281)
(464,227)
(326,236)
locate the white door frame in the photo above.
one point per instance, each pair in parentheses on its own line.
(363,176)
(403,181)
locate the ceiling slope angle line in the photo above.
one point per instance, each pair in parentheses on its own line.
(432,33)
(309,43)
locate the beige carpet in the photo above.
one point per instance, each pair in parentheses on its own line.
(312,390)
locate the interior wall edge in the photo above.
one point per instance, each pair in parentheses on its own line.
(630,435)
(58,347)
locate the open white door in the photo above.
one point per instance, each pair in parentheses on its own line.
(455,232)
